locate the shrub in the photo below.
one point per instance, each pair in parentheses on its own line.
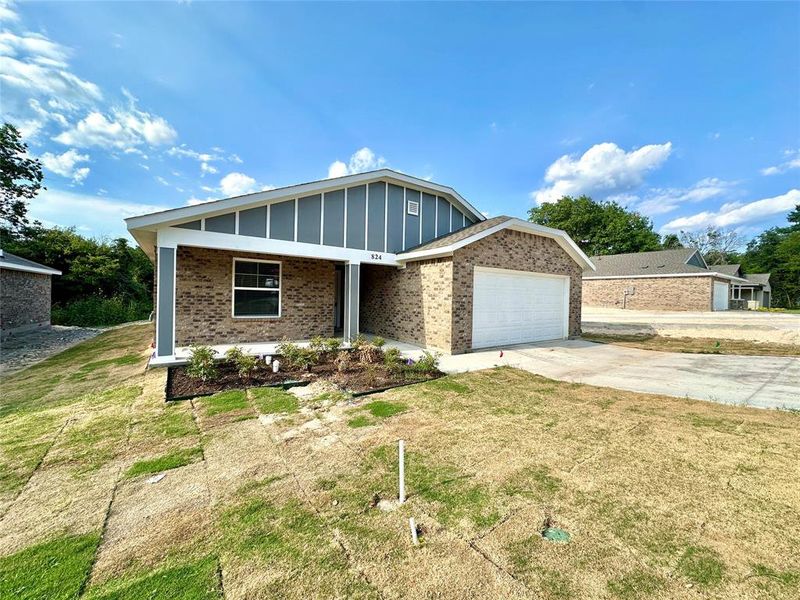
(378,341)
(429,363)
(322,345)
(357,342)
(369,354)
(392,359)
(342,361)
(245,363)
(295,356)
(201,364)
(100,312)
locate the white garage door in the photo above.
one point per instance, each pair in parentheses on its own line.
(721,294)
(514,307)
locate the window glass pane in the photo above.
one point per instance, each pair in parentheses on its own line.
(257,275)
(255,303)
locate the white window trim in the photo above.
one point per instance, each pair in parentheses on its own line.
(234,288)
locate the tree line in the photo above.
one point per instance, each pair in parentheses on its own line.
(103,282)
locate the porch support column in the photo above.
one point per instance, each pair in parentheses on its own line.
(352,281)
(165,301)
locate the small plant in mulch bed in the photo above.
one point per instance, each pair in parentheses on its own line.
(201,364)
(298,357)
(245,364)
(322,345)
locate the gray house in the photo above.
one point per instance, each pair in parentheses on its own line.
(25,293)
(753,293)
(379,252)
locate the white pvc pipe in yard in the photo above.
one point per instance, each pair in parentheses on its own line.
(401,455)
(413,527)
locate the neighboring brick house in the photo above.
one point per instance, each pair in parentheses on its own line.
(379,252)
(669,280)
(24,294)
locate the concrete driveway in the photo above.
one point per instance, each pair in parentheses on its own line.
(782,328)
(759,381)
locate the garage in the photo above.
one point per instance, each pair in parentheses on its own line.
(721,295)
(515,307)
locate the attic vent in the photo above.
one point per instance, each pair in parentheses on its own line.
(413,208)
(645,266)
(660,266)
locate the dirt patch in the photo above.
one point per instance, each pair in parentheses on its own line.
(357,378)
(696,345)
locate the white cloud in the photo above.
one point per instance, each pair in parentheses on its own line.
(604,169)
(204,158)
(161,180)
(737,213)
(659,201)
(361,160)
(793,162)
(99,216)
(66,164)
(237,184)
(122,129)
(7,12)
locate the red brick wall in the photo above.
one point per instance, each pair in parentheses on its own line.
(411,305)
(656,293)
(516,250)
(204,299)
(24,300)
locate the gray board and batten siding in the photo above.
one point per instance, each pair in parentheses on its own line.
(373,217)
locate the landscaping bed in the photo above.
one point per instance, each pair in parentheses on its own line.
(364,368)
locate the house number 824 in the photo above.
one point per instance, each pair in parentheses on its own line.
(376,256)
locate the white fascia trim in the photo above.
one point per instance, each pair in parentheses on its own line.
(666,275)
(171,237)
(558,235)
(41,270)
(218,207)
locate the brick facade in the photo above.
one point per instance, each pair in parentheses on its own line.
(430,302)
(656,293)
(412,305)
(204,294)
(24,300)
(515,250)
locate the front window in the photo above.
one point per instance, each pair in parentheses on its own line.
(256,288)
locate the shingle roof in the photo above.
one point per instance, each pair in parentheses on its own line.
(759,278)
(727,269)
(461,234)
(658,262)
(17,263)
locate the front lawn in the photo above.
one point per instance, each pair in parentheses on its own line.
(660,497)
(695,345)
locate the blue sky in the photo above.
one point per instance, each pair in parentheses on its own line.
(689,113)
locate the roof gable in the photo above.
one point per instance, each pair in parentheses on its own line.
(17,263)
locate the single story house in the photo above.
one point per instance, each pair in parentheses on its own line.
(379,252)
(25,294)
(669,280)
(754,294)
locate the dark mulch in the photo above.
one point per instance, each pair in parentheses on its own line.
(358,379)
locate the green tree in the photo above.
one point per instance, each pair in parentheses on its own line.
(777,251)
(20,178)
(671,241)
(598,227)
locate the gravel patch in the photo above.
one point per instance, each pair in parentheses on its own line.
(22,350)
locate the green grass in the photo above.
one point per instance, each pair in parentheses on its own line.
(271,400)
(447,384)
(53,570)
(193,581)
(360,421)
(636,584)
(532,482)
(23,443)
(384,409)
(85,370)
(223,402)
(171,460)
(175,422)
(788,579)
(95,443)
(701,565)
